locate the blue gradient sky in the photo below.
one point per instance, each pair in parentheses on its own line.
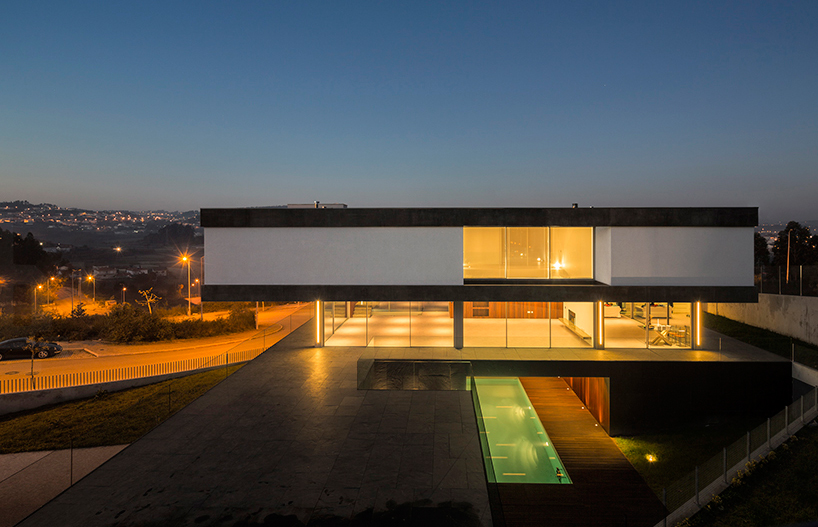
(182,105)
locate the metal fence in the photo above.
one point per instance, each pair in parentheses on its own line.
(802,280)
(245,351)
(693,491)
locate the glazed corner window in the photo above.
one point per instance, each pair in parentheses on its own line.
(572,253)
(556,253)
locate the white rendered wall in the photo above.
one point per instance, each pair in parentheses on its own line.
(602,254)
(334,256)
(704,256)
(584,312)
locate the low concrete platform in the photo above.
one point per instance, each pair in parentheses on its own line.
(289,438)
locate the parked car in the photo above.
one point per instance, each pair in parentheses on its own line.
(21,348)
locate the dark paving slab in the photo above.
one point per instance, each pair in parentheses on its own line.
(289,438)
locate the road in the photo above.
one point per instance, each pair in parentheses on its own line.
(89,356)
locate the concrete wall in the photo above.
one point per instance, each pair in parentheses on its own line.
(337,256)
(704,256)
(794,316)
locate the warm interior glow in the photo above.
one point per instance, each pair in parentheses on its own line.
(601,315)
(528,252)
(318,315)
(698,323)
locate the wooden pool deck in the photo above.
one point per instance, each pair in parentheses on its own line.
(606,489)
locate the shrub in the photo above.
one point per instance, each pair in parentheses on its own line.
(125,323)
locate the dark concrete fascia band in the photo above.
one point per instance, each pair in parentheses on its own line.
(492,217)
(479,293)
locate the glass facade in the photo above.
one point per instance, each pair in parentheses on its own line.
(544,253)
(648,325)
(389,324)
(528,324)
(657,325)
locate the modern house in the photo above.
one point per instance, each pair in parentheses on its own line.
(607,280)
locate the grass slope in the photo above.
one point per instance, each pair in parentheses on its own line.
(107,419)
(781,490)
(677,452)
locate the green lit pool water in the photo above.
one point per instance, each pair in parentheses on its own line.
(512,436)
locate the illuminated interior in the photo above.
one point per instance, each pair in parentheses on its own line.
(545,253)
(528,324)
(647,325)
(389,324)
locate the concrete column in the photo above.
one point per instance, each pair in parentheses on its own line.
(319,324)
(457,313)
(695,325)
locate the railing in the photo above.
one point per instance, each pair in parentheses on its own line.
(245,351)
(693,491)
(802,280)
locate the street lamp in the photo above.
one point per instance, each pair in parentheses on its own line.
(94,283)
(48,289)
(123,294)
(186,260)
(39,286)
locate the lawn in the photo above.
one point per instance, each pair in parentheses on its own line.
(106,419)
(677,452)
(781,345)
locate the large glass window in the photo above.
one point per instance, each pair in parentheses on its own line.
(389,324)
(669,325)
(484,252)
(653,325)
(529,324)
(528,252)
(484,324)
(573,326)
(572,252)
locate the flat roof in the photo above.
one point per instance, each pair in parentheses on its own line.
(483,217)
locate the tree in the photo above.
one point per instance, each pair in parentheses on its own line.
(79,311)
(803,247)
(761,251)
(150,299)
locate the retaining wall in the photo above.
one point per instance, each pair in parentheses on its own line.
(793,316)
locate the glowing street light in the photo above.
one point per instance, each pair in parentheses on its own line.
(186,261)
(90,278)
(123,294)
(48,290)
(40,287)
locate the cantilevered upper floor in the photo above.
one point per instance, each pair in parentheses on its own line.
(509,254)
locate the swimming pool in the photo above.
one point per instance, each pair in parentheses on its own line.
(517,447)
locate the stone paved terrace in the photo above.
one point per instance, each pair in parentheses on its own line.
(289,438)
(289,434)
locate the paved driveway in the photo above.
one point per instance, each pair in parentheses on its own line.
(290,435)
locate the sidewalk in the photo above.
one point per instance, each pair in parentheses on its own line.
(29,480)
